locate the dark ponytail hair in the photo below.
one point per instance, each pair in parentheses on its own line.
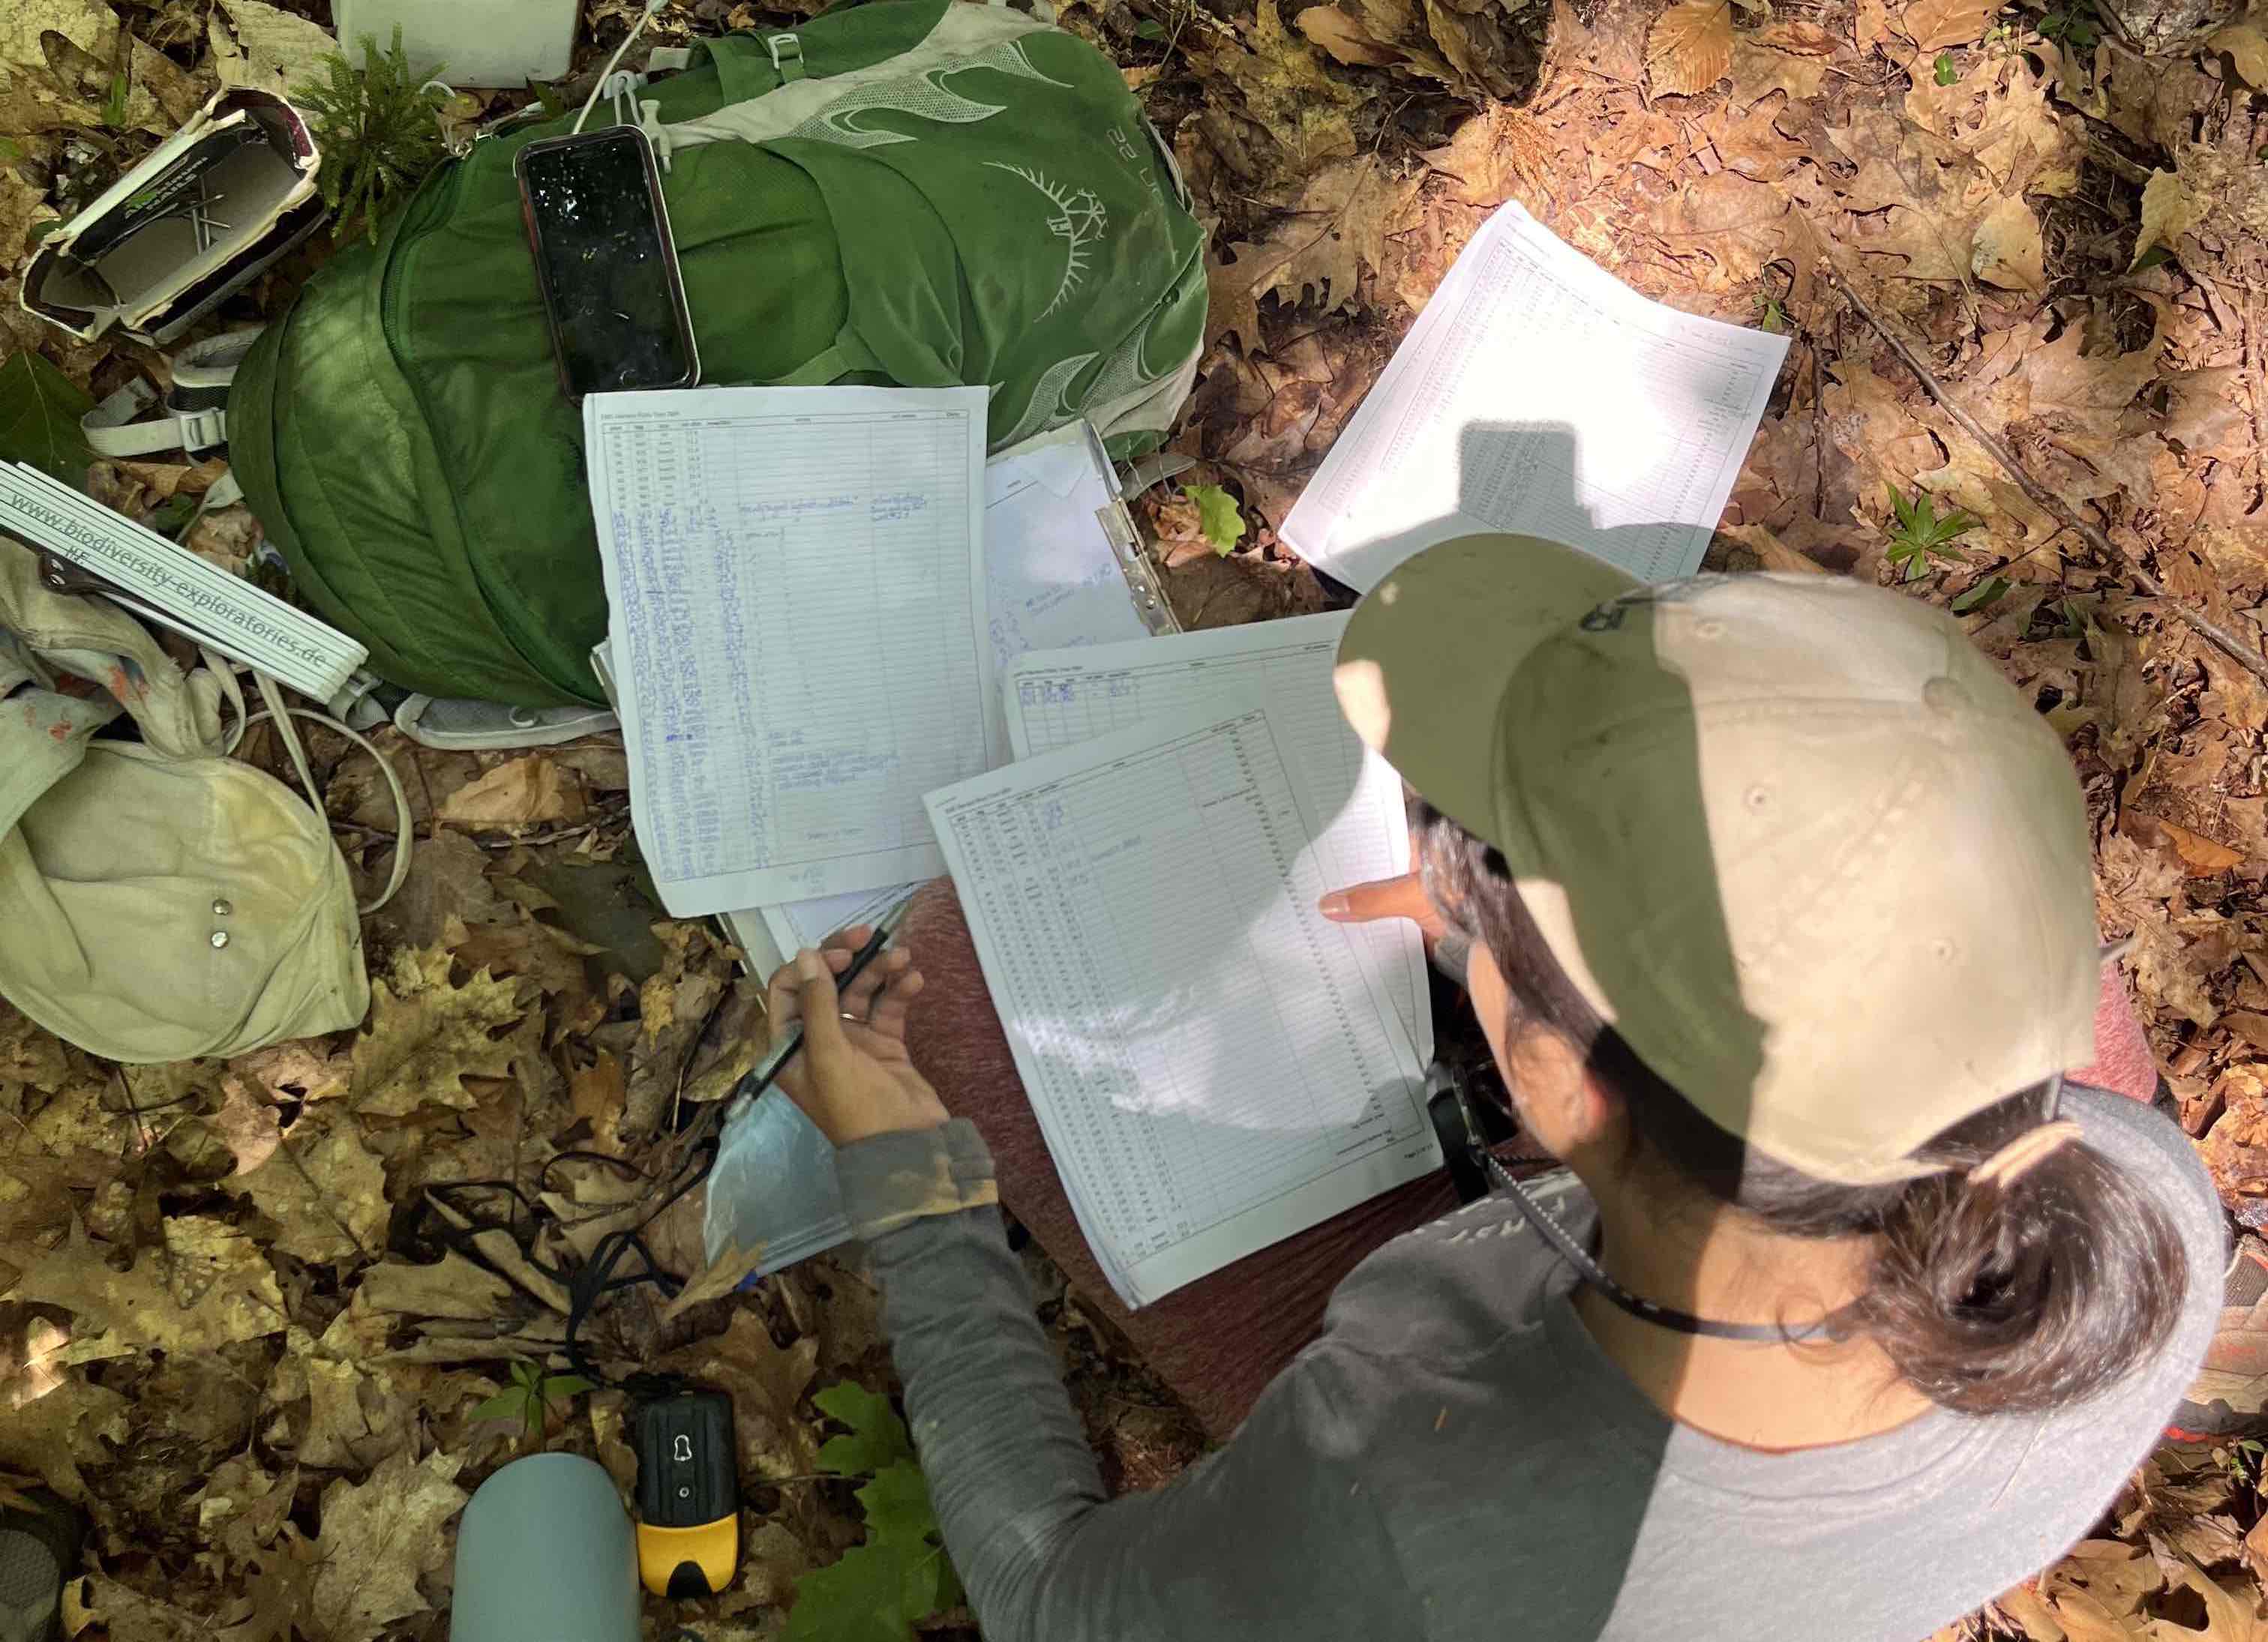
(1988,1298)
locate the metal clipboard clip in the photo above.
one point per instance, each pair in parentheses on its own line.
(1117,524)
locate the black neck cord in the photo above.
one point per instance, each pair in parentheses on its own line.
(1645,1311)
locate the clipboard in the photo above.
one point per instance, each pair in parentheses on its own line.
(86,548)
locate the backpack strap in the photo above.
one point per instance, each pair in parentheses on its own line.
(192,415)
(281,714)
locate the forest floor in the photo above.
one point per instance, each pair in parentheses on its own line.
(234,1324)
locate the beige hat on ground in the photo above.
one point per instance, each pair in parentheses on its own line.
(1821,866)
(158,901)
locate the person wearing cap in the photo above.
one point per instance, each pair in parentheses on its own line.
(1848,1309)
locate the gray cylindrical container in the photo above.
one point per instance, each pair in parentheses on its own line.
(546,1553)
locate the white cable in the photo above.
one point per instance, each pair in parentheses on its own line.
(607,73)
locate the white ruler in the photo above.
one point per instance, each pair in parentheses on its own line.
(171,585)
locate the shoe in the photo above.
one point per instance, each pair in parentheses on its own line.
(39,1550)
(2229,1397)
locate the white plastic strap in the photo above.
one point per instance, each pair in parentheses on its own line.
(281,714)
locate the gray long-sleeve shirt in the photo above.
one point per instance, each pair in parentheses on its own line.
(1454,1456)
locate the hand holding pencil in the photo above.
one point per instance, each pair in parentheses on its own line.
(852,1076)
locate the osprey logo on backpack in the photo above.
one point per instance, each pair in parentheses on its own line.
(1079,221)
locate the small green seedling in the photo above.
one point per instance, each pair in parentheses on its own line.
(378,129)
(2075,25)
(529,1396)
(1947,74)
(1921,535)
(1218,517)
(1982,595)
(2241,1459)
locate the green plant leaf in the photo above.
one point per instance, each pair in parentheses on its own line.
(1982,595)
(1148,28)
(509,1403)
(898,1511)
(559,1387)
(869,1595)
(1217,516)
(897,1506)
(876,1437)
(40,412)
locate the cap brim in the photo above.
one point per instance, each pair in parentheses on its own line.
(1428,655)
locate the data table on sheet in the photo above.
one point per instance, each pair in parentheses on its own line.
(1539,395)
(1210,1060)
(1060,698)
(798,619)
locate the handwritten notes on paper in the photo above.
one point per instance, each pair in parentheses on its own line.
(795,584)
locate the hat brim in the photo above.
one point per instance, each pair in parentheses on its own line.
(1429,654)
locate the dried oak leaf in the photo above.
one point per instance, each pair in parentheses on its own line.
(2246,42)
(453,1286)
(1689,48)
(377,1537)
(528,791)
(1934,24)
(208,1286)
(2167,213)
(304,1069)
(2006,249)
(426,1036)
(324,1189)
(73,1424)
(247,1125)
(241,1506)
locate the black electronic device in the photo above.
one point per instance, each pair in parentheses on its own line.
(605,262)
(689,1493)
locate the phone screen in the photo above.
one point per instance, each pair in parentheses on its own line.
(600,252)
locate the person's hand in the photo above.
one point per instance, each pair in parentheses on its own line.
(1403,897)
(852,1077)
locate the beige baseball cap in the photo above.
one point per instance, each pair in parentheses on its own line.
(1819,863)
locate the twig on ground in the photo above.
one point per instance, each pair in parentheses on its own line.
(2229,643)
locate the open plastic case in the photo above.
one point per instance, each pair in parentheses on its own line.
(220,199)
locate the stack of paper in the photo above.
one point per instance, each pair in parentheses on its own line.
(818,595)
(1214,1064)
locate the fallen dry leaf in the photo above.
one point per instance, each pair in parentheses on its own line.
(427,1035)
(2006,249)
(248,1125)
(1934,24)
(207,1285)
(2167,213)
(723,1274)
(2246,42)
(1689,48)
(268,47)
(377,1537)
(526,791)
(324,1192)
(453,1286)
(75,1423)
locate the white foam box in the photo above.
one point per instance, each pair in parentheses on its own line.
(468,42)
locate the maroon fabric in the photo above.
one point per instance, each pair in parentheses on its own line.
(1218,1340)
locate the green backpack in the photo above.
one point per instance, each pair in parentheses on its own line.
(927,192)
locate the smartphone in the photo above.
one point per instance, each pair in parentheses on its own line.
(605,262)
